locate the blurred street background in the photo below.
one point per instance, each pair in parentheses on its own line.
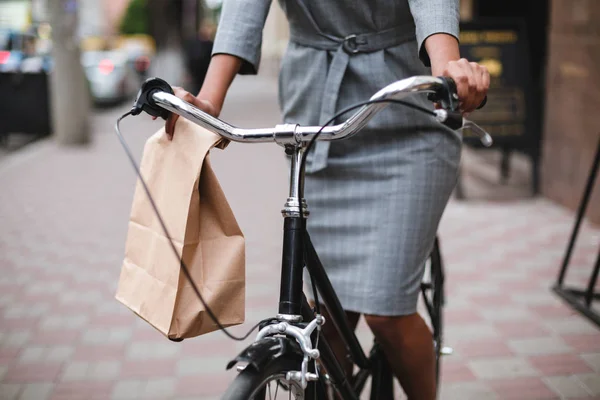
(69,69)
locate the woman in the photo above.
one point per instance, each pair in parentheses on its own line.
(375,199)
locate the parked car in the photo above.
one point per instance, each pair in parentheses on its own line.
(110,78)
(18,53)
(12,44)
(140,50)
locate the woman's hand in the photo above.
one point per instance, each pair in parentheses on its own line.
(205,105)
(221,71)
(472,81)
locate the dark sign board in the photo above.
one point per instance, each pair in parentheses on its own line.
(502,47)
(24,103)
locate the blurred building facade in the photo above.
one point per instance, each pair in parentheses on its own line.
(572,125)
(14,14)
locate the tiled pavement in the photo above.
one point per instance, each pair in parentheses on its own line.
(63,218)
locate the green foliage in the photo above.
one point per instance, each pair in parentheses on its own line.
(135,20)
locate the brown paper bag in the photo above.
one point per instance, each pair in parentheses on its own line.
(203,228)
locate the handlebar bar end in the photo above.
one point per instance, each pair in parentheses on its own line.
(144,101)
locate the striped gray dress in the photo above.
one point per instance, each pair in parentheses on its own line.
(375,199)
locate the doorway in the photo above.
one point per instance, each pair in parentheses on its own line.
(535,14)
(527,60)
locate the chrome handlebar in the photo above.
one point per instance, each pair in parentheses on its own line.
(296,134)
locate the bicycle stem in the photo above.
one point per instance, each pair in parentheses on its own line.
(296,199)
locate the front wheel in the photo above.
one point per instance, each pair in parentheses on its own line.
(267,383)
(432,289)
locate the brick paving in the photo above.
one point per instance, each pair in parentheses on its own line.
(63,218)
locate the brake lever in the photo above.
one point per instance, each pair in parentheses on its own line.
(484,137)
(454,120)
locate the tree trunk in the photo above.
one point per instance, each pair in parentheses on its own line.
(69,94)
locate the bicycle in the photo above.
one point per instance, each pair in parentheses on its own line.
(288,350)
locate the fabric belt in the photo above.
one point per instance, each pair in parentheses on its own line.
(344,49)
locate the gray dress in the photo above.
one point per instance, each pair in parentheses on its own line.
(375,199)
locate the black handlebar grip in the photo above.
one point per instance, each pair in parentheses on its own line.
(451,85)
(144,101)
(454,91)
(447,96)
(454,120)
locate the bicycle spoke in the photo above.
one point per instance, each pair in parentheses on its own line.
(265,391)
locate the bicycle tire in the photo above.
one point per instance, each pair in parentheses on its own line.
(250,382)
(432,291)
(438,300)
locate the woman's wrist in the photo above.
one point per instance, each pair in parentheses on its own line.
(442,49)
(221,71)
(472,80)
(208,105)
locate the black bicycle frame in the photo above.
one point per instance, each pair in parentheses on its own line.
(334,308)
(298,251)
(296,246)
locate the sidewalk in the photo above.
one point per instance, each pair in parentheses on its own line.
(63,217)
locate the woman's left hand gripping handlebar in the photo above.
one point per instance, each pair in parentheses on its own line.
(472,83)
(203,104)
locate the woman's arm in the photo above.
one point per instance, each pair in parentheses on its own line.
(441,48)
(221,71)
(237,49)
(472,80)
(437,25)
